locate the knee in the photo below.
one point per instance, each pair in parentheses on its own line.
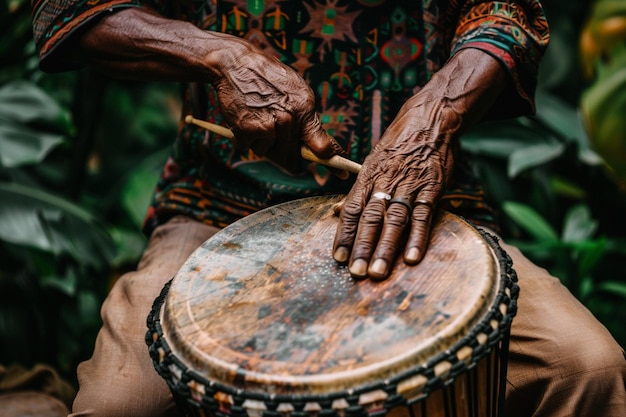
(110,402)
(574,379)
(121,389)
(591,378)
(593,363)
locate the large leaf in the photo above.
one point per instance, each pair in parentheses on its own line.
(530,220)
(560,116)
(604,107)
(24,102)
(20,145)
(500,138)
(579,225)
(524,142)
(36,219)
(31,124)
(533,156)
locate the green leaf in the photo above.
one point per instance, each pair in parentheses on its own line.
(578,225)
(32,124)
(139,185)
(540,249)
(565,187)
(67,283)
(591,253)
(530,220)
(21,145)
(586,287)
(36,219)
(603,105)
(533,156)
(613,287)
(500,138)
(23,102)
(560,116)
(130,245)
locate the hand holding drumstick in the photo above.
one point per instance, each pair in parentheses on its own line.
(335,161)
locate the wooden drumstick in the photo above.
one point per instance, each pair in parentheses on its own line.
(334,161)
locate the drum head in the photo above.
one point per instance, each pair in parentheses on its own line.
(262,306)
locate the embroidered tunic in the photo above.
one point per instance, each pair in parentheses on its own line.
(362,58)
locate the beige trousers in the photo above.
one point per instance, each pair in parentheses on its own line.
(563,362)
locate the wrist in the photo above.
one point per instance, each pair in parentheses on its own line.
(470,83)
(221,53)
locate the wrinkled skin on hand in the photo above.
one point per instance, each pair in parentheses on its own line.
(414,159)
(268,106)
(271,109)
(413,163)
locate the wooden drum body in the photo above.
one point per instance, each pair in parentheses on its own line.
(260,321)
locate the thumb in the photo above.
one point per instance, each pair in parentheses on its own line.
(322,145)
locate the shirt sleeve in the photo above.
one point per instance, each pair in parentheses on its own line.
(55,21)
(516,33)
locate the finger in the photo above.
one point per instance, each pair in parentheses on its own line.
(337,207)
(264,138)
(322,144)
(318,140)
(421,222)
(397,218)
(367,235)
(348,225)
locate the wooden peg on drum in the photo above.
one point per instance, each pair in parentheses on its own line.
(336,161)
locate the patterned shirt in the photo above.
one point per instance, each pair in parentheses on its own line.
(362,58)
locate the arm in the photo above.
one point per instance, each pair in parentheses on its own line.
(415,157)
(137,43)
(414,160)
(269,107)
(515,33)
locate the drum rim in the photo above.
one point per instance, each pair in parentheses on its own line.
(185,382)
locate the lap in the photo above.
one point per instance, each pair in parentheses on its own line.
(562,360)
(120,379)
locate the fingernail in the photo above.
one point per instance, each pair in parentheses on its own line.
(358,268)
(341,254)
(379,267)
(412,255)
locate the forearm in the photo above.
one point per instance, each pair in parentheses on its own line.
(515,33)
(137,43)
(467,86)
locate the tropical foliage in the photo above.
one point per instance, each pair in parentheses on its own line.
(80,154)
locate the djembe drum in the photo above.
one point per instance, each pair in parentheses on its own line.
(261,322)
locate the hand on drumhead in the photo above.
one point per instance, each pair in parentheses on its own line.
(390,207)
(270,108)
(412,164)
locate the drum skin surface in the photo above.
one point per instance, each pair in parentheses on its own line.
(262,306)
